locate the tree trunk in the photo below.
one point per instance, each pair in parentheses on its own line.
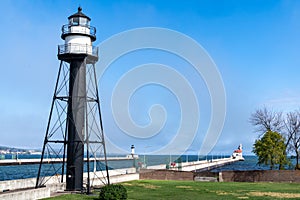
(297,160)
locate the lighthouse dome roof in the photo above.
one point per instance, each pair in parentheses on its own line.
(79,14)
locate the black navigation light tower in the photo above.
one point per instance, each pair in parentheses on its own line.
(74,134)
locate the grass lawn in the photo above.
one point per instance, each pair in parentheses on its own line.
(179,190)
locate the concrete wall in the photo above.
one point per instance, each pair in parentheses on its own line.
(27,194)
(163,166)
(54,180)
(17,184)
(261,176)
(24,188)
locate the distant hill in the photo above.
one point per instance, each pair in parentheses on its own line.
(5,149)
(11,148)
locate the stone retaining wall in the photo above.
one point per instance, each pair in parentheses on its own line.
(166,175)
(226,176)
(261,176)
(206,174)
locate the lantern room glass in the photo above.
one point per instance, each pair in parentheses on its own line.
(76,21)
(83,21)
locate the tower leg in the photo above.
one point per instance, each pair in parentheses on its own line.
(39,182)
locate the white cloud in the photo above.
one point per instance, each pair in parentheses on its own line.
(286,101)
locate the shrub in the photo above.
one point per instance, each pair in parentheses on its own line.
(113,192)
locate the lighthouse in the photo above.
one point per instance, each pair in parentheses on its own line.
(74,132)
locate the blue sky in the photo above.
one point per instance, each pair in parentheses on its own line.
(255,45)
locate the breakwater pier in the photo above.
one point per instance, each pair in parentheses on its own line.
(200,165)
(16,161)
(206,165)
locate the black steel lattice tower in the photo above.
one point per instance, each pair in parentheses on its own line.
(74,134)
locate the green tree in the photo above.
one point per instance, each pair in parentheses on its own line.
(270,149)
